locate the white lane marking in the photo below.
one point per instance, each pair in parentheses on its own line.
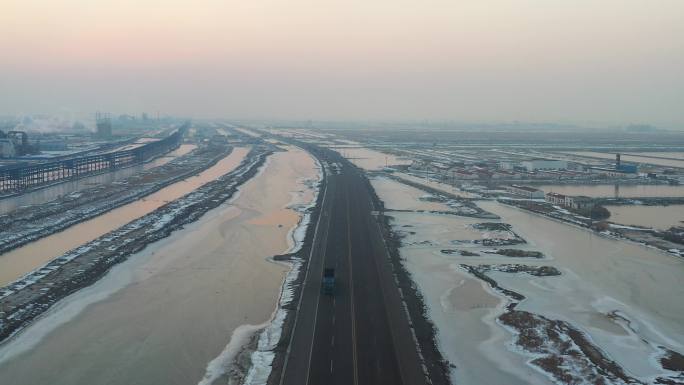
(351,291)
(306,275)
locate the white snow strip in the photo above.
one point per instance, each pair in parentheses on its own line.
(217,367)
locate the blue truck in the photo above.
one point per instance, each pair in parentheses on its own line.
(328,281)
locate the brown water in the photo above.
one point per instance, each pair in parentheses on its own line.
(18,262)
(624,191)
(657,217)
(160,317)
(51,193)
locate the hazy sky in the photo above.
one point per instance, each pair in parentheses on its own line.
(469,60)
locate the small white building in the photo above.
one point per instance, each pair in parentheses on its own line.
(544,164)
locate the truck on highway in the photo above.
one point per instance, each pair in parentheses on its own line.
(328,281)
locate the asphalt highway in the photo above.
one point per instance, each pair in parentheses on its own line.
(361,334)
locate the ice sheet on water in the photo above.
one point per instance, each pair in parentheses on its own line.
(262,357)
(218,366)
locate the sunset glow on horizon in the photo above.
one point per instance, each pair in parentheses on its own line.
(607,61)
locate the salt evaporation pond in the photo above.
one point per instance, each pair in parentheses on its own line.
(162,316)
(600,275)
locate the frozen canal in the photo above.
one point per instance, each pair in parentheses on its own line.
(15,263)
(625,297)
(163,315)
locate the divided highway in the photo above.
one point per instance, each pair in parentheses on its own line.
(361,334)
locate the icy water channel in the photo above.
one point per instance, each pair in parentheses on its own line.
(18,262)
(599,276)
(162,316)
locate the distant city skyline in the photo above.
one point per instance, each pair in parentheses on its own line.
(614,62)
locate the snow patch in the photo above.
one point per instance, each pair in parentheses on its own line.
(217,367)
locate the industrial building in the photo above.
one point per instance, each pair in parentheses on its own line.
(525,191)
(7,148)
(613,173)
(619,170)
(18,177)
(103,122)
(555,199)
(579,202)
(574,202)
(624,168)
(544,164)
(15,143)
